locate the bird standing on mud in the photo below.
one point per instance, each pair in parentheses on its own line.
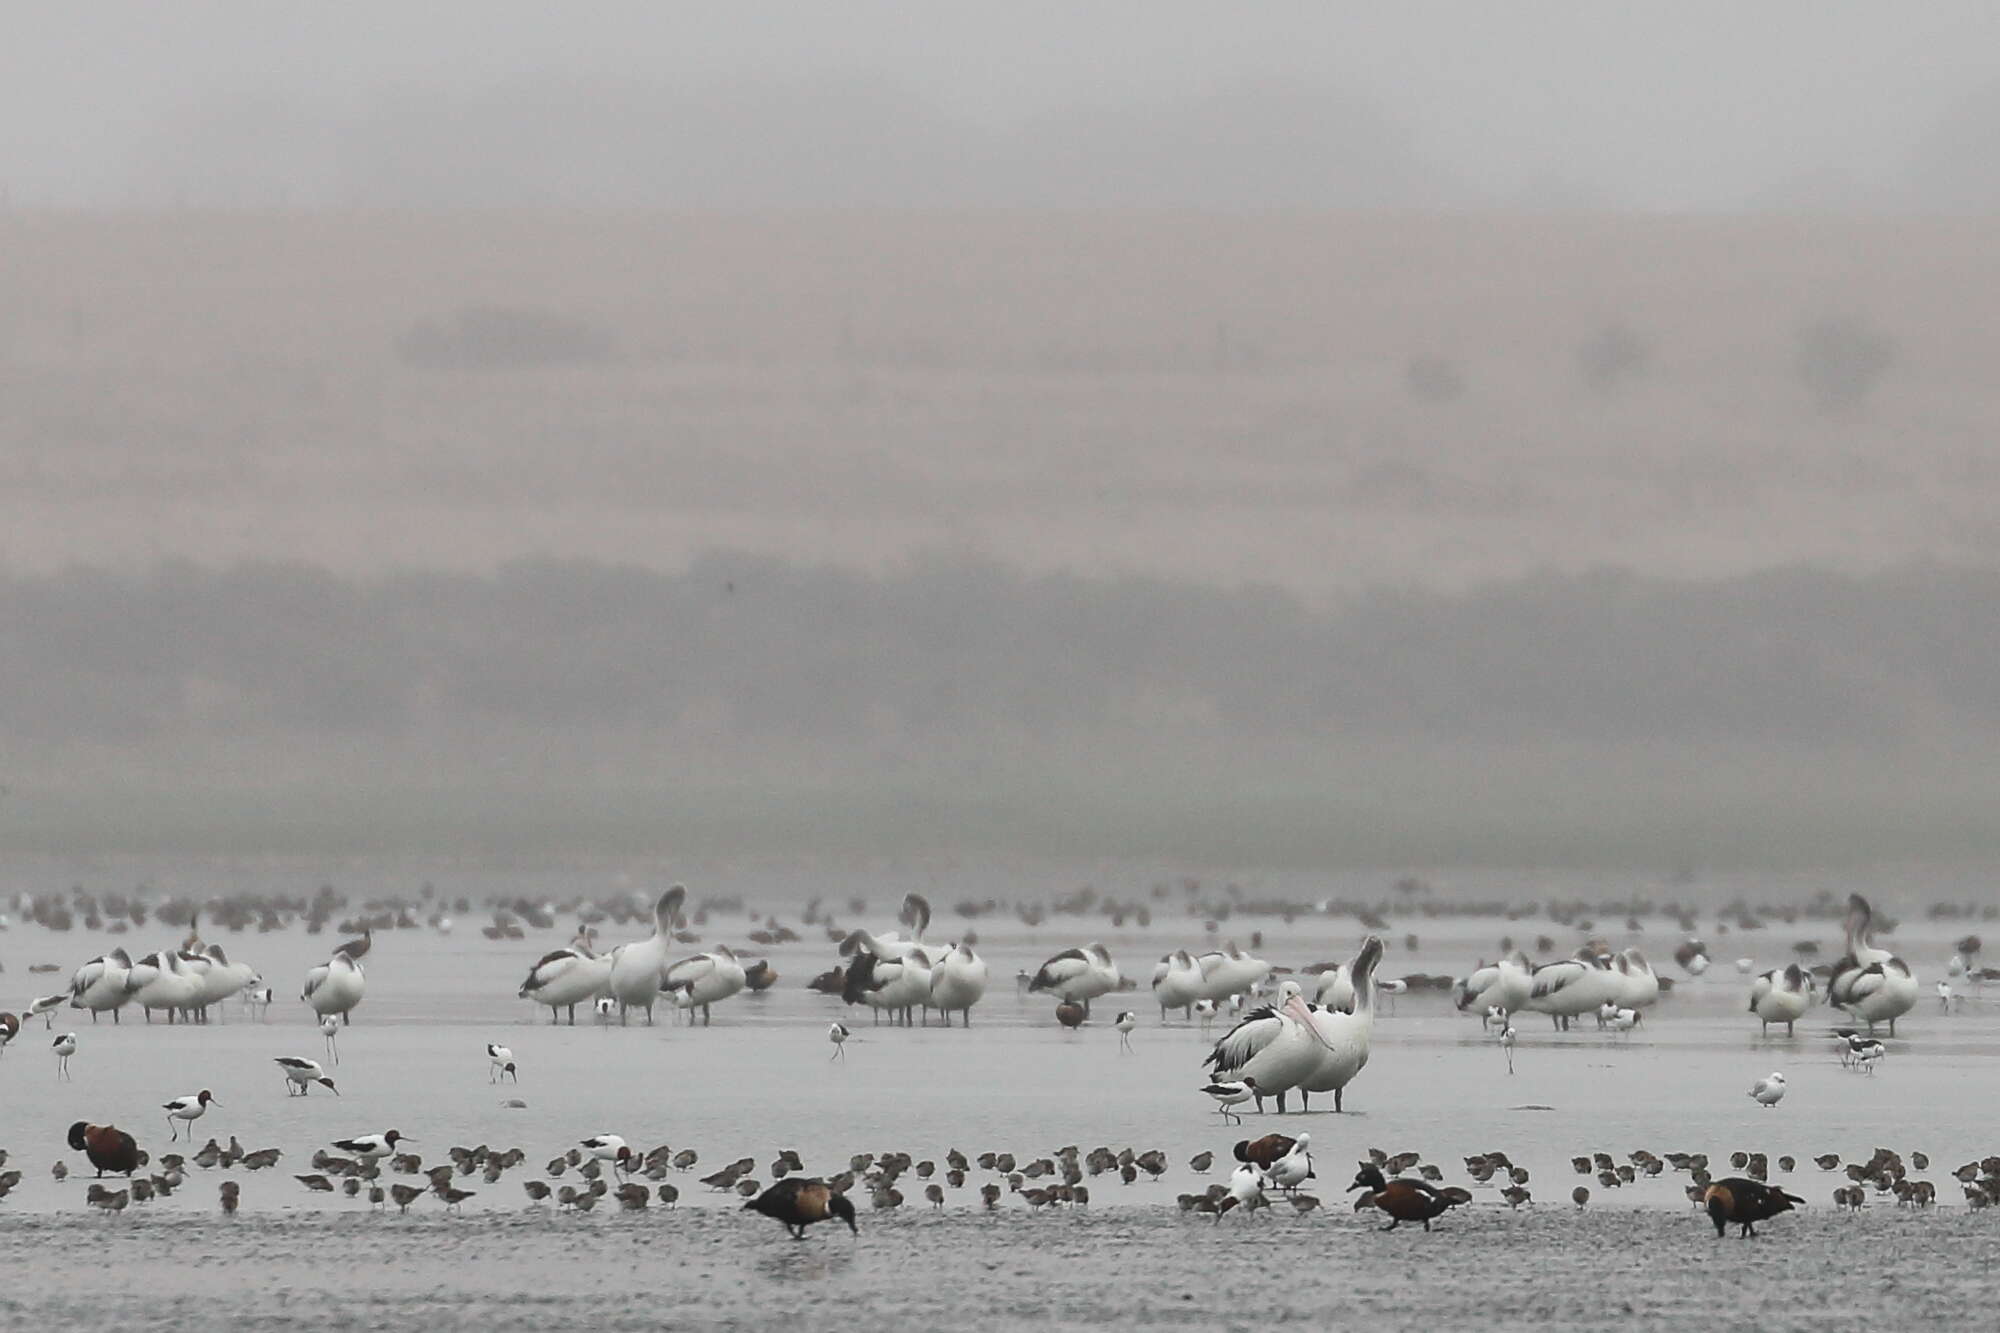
(798,1203)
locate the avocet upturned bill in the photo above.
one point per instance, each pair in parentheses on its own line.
(181,1110)
(301,1074)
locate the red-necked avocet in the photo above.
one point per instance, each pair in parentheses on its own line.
(1231,1092)
(705,979)
(329,1028)
(958,981)
(565,978)
(1781,997)
(46,1006)
(608,1148)
(373,1147)
(501,1063)
(1126,1022)
(1078,974)
(838,1034)
(336,986)
(182,1110)
(1246,1191)
(300,1075)
(637,968)
(65,1047)
(1344,1036)
(1871,984)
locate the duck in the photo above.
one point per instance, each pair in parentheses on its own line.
(335,987)
(1781,997)
(564,978)
(958,981)
(892,977)
(1177,983)
(1507,983)
(705,980)
(1080,975)
(637,968)
(1870,984)
(798,1202)
(301,1074)
(1344,1035)
(99,985)
(105,1147)
(1744,1202)
(185,1110)
(1404,1200)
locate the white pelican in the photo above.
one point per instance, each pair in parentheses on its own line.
(1336,988)
(301,1074)
(1177,983)
(1344,1036)
(1580,985)
(163,980)
(1078,974)
(64,1047)
(222,978)
(838,1034)
(638,967)
(1231,1092)
(1639,986)
(1781,997)
(1769,1091)
(336,986)
(1277,1047)
(1871,984)
(896,984)
(500,1063)
(372,1147)
(182,1110)
(1507,983)
(1230,971)
(705,979)
(958,981)
(565,978)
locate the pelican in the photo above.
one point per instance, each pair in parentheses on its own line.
(1871,984)
(1336,987)
(1078,974)
(336,986)
(1573,986)
(958,982)
(1507,983)
(163,980)
(1781,997)
(565,978)
(704,979)
(99,985)
(1344,1035)
(222,978)
(1639,987)
(1229,971)
(637,968)
(1275,1047)
(896,984)
(1177,983)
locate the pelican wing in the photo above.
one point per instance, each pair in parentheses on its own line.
(1550,978)
(1064,966)
(1760,988)
(314,980)
(1866,982)
(689,971)
(1241,1043)
(550,969)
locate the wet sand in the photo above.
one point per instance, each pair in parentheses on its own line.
(1551,1270)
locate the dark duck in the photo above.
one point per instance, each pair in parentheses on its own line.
(1402,1199)
(799,1203)
(1745,1202)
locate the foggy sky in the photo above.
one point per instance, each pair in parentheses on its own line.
(1691,106)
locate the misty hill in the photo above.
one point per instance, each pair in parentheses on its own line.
(750,704)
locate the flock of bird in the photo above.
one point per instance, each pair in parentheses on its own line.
(1311,1035)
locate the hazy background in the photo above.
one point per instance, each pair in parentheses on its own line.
(1446,433)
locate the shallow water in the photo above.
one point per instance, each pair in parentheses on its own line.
(760,1079)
